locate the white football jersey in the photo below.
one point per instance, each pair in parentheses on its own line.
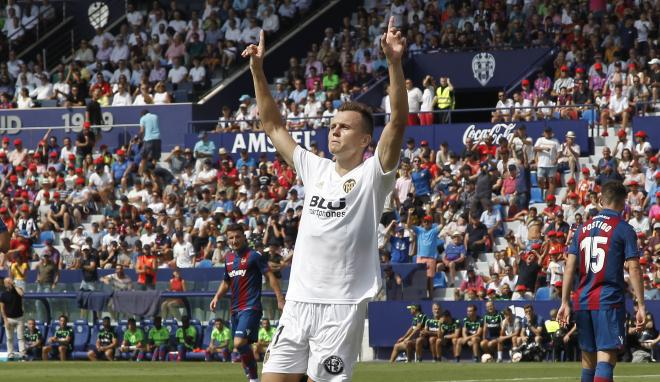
(336,254)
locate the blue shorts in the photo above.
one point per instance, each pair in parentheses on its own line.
(600,330)
(245,324)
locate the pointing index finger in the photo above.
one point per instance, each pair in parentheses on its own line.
(391,23)
(262,40)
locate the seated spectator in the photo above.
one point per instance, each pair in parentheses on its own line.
(503,108)
(454,258)
(170,307)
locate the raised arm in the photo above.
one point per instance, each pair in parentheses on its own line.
(389,147)
(269,114)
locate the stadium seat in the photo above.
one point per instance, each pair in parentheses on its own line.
(536,195)
(533,178)
(543,294)
(43,236)
(440,280)
(48,103)
(81,334)
(172,325)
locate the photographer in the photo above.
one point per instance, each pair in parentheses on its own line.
(563,339)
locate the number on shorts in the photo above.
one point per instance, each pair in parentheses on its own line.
(594,254)
(277,336)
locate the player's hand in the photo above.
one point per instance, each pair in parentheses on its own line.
(213,304)
(392,42)
(256,52)
(280,302)
(563,315)
(640,318)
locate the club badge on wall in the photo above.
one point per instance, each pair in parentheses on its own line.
(99,14)
(483,67)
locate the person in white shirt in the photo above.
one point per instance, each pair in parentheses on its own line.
(547,152)
(617,110)
(119,52)
(84,54)
(250,35)
(177,23)
(197,74)
(161,96)
(426,108)
(183,251)
(414,102)
(271,22)
(122,97)
(99,37)
(287,10)
(232,32)
(111,235)
(61,88)
(328,113)
(503,107)
(312,110)
(134,17)
(122,70)
(545,107)
(44,90)
(23,100)
(178,73)
(522,108)
(13,29)
(344,201)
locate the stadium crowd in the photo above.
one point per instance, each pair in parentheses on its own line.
(157,54)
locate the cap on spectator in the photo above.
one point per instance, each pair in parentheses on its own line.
(579,70)
(536,246)
(572,195)
(18,142)
(20,168)
(244,97)
(656,225)
(491,291)
(521,288)
(633,184)
(552,233)
(570,134)
(121,152)
(79,170)
(25,195)
(570,181)
(564,68)
(424,143)
(558,284)
(80,181)
(222,151)
(5,140)
(72,156)
(643,261)
(36,155)
(187,150)
(98,160)
(640,134)
(641,235)
(32,167)
(428,218)
(621,133)
(525,82)
(87,125)
(85,247)
(25,208)
(3,154)
(456,233)
(59,180)
(416,306)
(30,182)
(654,61)
(586,171)
(219,210)
(598,66)
(56,195)
(46,194)
(53,154)
(3,210)
(13,178)
(550,197)
(654,160)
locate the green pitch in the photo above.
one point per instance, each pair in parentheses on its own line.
(368,372)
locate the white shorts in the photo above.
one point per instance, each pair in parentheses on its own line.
(320,340)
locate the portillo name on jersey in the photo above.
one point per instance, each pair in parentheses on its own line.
(322,208)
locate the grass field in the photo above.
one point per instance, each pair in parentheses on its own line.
(368,372)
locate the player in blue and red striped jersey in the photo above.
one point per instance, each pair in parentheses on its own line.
(244,269)
(602,247)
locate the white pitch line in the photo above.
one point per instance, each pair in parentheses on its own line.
(618,378)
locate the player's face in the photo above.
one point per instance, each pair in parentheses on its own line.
(236,240)
(346,136)
(490,307)
(436,310)
(471,312)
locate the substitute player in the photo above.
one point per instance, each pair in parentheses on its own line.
(601,247)
(244,269)
(335,268)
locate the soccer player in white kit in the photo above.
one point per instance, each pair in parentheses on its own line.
(335,270)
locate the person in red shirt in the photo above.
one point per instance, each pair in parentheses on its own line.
(101,84)
(146,269)
(552,208)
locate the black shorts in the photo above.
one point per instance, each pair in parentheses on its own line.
(151,150)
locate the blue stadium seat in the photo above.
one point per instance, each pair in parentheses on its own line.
(536,195)
(43,236)
(533,178)
(48,103)
(81,334)
(172,325)
(543,294)
(440,280)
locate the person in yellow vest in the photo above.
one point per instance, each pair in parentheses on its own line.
(444,98)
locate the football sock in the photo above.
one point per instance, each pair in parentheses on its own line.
(588,375)
(604,372)
(499,354)
(247,360)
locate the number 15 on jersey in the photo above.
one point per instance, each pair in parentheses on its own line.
(593,248)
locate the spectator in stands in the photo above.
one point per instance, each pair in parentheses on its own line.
(414,102)
(145,268)
(406,343)
(472,284)
(47,274)
(427,241)
(444,96)
(454,258)
(503,107)
(476,235)
(527,267)
(106,343)
(170,308)
(547,152)
(61,343)
(221,342)
(132,346)
(618,109)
